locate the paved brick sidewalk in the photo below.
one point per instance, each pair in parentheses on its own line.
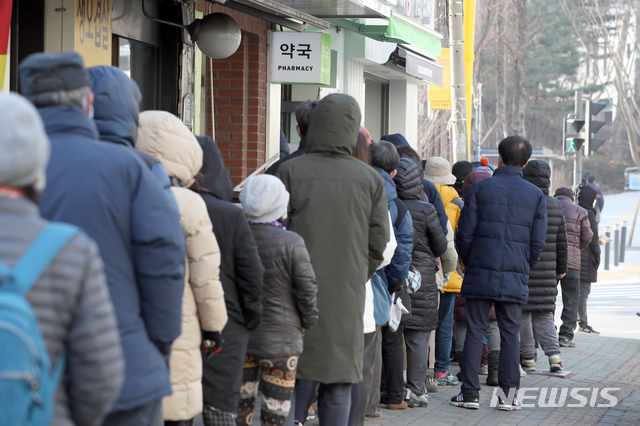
(596,361)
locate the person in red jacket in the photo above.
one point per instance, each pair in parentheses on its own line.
(579,235)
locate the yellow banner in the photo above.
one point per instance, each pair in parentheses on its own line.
(440,96)
(93,31)
(469,12)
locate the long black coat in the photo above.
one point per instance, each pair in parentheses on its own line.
(429,242)
(240,266)
(590,257)
(543,285)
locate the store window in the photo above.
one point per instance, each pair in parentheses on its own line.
(139,61)
(376,112)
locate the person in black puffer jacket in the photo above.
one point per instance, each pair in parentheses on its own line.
(429,242)
(587,197)
(241,276)
(290,304)
(538,313)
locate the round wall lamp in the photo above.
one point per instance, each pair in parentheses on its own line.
(217,35)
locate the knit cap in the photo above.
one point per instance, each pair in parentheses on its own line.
(24,145)
(438,170)
(264,198)
(475,176)
(484,164)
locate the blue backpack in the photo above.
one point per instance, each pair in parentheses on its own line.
(27,382)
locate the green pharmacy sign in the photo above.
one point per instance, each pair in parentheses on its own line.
(300,58)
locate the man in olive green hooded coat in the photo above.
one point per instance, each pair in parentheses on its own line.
(338,205)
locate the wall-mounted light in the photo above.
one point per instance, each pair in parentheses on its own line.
(217,34)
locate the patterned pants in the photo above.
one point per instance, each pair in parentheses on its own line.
(276,378)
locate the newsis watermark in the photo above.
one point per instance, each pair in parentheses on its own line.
(558,397)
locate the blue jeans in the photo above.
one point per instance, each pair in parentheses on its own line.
(444,333)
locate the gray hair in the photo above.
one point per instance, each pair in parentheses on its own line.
(74,97)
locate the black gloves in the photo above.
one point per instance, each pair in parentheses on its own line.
(212,343)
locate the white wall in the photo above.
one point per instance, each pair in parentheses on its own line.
(403,110)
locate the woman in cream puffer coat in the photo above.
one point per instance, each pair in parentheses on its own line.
(164,136)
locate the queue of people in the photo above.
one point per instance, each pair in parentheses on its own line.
(160,300)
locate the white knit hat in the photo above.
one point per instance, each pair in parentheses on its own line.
(438,170)
(24,145)
(264,198)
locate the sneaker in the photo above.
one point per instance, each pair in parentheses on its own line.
(554,364)
(514,406)
(401,406)
(588,329)
(312,414)
(446,379)
(432,386)
(465,401)
(376,416)
(484,370)
(522,372)
(416,401)
(528,365)
(566,343)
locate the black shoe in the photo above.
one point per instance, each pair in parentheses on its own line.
(466,401)
(514,406)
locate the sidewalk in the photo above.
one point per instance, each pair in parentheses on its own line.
(596,361)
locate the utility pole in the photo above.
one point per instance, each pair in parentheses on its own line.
(458,86)
(577,161)
(479,122)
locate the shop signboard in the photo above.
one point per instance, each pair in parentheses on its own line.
(300,58)
(440,95)
(93,31)
(424,69)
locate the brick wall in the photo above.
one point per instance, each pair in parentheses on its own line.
(239,96)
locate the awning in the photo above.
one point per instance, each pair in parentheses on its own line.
(397,29)
(277,13)
(341,8)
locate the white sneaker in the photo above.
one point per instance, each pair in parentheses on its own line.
(522,372)
(514,406)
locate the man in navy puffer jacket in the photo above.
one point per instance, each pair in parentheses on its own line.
(501,233)
(113,196)
(116,111)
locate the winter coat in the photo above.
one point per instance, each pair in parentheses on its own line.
(460,314)
(543,285)
(599,201)
(429,242)
(165,137)
(72,304)
(241,269)
(501,233)
(290,290)
(112,195)
(369,317)
(430,190)
(452,205)
(302,149)
(448,260)
(116,114)
(579,233)
(389,279)
(338,205)
(590,257)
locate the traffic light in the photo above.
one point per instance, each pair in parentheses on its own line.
(592,126)
(571,139)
